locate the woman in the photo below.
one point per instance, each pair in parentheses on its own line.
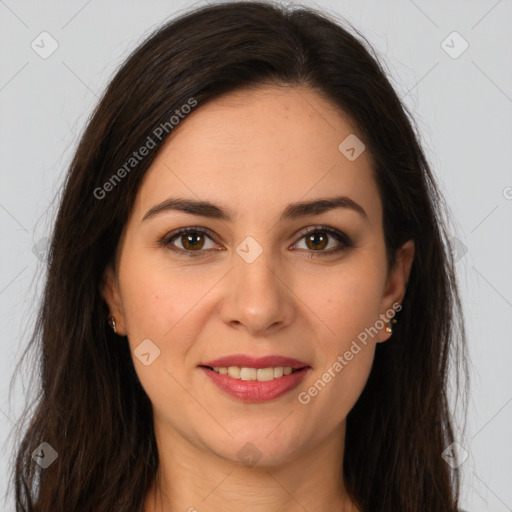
(250,302)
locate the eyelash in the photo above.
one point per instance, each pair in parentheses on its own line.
(341,237)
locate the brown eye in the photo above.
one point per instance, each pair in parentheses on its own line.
(191,240)
(318,239)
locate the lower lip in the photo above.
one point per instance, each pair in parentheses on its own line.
(253,390)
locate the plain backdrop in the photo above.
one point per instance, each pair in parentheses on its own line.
(461,99)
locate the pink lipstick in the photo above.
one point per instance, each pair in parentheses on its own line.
(256,379)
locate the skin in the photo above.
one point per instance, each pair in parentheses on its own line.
(254,152)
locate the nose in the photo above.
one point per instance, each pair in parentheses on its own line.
(257,297)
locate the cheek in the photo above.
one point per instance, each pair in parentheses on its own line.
(347,306)
(155,305)
(346,302)
(167,304)
(343,367)
(157,299)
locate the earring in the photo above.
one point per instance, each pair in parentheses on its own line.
(112,323)
(389,327)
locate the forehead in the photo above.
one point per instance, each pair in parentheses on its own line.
(269,145)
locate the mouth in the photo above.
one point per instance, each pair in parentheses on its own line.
(254,385)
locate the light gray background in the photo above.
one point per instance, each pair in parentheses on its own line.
(463,108)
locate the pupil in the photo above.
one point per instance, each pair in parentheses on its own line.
(314,239)
(190,240)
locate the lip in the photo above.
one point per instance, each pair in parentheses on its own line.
(243,360)
(253,390)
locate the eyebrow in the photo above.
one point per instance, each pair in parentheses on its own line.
(292,211)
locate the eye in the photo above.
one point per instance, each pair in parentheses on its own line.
(316,240)
(192,240)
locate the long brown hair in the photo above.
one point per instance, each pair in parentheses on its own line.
(91,408)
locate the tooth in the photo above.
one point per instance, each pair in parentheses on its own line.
(248,373)
(278,372)
(260,374)
(234,372)
(264,374)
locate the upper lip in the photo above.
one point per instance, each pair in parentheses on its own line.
(246,361)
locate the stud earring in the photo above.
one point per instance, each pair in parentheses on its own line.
(389,327)
(112,323)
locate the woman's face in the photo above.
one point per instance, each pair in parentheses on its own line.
(253,283)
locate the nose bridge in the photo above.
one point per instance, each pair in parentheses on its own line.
(254,269)
(257,297)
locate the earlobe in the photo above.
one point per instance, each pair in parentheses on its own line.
(109,290)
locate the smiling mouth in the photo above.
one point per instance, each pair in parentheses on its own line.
(254,374)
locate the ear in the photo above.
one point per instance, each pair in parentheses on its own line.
(109,290)
(396,286)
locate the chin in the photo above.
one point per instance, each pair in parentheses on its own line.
(260,448)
